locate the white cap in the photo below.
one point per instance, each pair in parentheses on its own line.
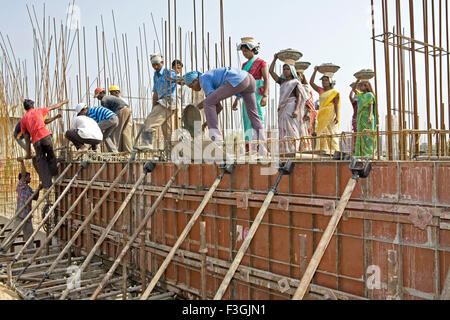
(80,107)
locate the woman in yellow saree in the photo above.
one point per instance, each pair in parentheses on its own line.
(328,117)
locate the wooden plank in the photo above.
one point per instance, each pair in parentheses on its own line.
(180,240)
(324,241)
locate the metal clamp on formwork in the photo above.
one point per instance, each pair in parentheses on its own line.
(359,169)
(148,168)
(283,169)
(225,169)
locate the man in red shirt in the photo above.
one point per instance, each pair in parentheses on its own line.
(33,122)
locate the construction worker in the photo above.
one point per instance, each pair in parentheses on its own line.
(33,123)
(122,136)
(221,84)
(84,131)
(106,120)
(164,84)
(24,192)
(20,138)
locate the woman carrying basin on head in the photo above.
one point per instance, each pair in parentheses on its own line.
(365,119)
(328,117)
(290,104)
(258,69)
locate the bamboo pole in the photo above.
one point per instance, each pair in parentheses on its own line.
(427,77)
(63,219)
(324,241)
(414,79)
(182,237)
(108,229)
(17,230)
(240,255)
(388,78)
(139,229)
(49,213)
(83,226)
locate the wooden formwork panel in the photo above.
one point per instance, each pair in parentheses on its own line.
(379,219)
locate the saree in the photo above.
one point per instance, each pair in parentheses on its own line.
(366,144)
(254,67)
(289,127)
(325,122)
(307,108)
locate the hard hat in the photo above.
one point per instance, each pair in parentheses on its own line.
(80,107)
(98,91)
(114,88)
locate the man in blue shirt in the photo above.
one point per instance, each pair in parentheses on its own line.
(164,84)
(221,84)
(106,119)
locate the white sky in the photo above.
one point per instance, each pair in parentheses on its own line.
(323,30)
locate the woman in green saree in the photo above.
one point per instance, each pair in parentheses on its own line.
(365,119)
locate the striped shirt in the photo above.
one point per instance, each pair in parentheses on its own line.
(100,113)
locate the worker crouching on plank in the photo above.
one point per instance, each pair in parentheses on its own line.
(164,85)
(106,120)
(122,136)
(33,123)
(84,131)
(221,84)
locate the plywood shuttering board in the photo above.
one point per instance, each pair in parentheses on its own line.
(363,238)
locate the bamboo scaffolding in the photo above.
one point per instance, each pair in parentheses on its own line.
(111,224)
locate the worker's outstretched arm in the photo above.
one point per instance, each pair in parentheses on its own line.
(313,78)
(58,105)
(50,120)
(272,68)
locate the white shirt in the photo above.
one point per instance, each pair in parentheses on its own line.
(87,128)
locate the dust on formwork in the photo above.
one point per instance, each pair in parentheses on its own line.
(7,294)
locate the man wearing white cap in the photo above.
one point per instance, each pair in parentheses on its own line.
(84,131)
(164,85)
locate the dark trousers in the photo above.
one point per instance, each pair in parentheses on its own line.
(46,161)
(73,136)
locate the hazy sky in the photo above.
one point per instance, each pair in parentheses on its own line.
(324,31)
